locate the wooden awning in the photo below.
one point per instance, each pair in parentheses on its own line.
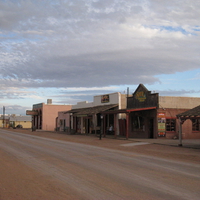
(92,110)
(127,110)
(31,112)
(193,113)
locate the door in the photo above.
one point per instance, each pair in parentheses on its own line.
(151,128)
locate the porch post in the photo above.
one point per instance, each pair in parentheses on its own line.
(75,124)
(101,130)
(70,121)
(104,125)
(115,125)
(95,123)
(127,125)
(180,133)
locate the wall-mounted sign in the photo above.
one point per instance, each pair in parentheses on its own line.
(31,112)
(161,124)
(105,99)
(140,96)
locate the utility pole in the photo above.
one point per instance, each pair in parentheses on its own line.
(127,91)
(3,116)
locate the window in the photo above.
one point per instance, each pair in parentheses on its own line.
(170,124)
(195,125)
(138,123)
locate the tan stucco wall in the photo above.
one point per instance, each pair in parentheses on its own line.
(6,123)
(50,113)
(25,124)
(178,102)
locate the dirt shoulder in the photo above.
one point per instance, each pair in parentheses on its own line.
(20,182)
(163,151)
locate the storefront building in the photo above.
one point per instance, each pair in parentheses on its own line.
(44,115)
(4,121)
(23,121)
(86,117)
(149,115)
(189,124)
(62,121)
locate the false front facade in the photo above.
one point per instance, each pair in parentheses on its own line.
(152,116)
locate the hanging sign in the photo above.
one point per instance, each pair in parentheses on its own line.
(161,124)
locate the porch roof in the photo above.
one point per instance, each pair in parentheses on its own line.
(92,110)
(128,110)
(189,114)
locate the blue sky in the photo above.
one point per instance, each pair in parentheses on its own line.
(71,50)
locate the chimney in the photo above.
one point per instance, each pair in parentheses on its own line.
(49,101)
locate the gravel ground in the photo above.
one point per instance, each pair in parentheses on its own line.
(20,182)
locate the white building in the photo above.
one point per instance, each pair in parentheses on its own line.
(87,117)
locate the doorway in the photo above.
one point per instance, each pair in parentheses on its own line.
(151,128)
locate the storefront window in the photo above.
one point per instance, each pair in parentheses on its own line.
(195,125)
(170,124)
(138,123)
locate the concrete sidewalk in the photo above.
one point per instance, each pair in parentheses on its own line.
(187,143)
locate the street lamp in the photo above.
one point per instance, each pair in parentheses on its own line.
(101,131)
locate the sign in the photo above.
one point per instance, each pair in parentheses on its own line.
(31,112)
(140,96)
(105,99)
(161,124)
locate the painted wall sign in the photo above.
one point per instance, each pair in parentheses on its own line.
(161,124)
(140,96)
(105,99)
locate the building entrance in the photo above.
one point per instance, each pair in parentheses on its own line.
(151,128)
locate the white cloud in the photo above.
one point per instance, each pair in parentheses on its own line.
(89,88)
(91,45)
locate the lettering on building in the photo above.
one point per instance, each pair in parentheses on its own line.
(105,99)
(140,96)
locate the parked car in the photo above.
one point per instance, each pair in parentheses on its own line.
(18,126)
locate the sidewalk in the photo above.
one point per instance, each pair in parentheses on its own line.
(187,143)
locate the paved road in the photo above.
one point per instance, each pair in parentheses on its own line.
(90,172)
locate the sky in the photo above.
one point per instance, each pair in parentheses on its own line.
(71,50)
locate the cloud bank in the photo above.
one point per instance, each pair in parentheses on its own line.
(96,43)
